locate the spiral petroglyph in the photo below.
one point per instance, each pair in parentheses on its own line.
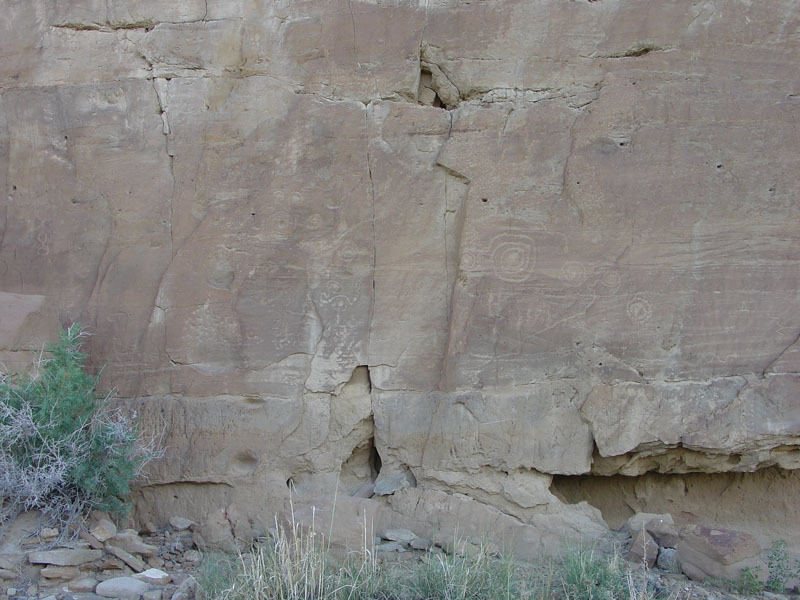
(513,256)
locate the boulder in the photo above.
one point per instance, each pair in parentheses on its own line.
(186,589)
(704,551)
(640,521)
(82,585)
(215,532)
(403,536)
(421,544)
(643,549)
(388,485)
(365,490)
(663,530)
(154,577)
(103,529)
(667,560)
(121,587)
(180,523)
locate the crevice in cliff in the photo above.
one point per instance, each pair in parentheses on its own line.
(635,51)
(435,86)
(142,24)
(79,26)
(353,21)
(367,114)
(161,88)
(426,94)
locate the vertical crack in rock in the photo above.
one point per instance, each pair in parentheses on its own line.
(353,21)
(424,26)
(455,209)
(161,87)
(367,113)
(565,173)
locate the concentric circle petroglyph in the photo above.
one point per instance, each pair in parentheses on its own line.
(468,261)
(611,279)
(280,225)
(639,310)
(573,272)
(513,257)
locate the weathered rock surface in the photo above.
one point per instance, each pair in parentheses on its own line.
(103,529)
(716,552)
(478,245)
(64,557)
(121,587)
(643,550)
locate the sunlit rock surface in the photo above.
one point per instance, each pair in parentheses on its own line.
(476,244)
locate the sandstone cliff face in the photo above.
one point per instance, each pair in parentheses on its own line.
(465,246)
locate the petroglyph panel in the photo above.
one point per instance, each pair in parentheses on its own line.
(249,202)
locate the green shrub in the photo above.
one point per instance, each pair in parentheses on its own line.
(63,450)
(781,568)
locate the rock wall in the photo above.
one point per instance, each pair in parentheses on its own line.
(449,247)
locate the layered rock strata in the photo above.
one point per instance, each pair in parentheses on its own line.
(468,245)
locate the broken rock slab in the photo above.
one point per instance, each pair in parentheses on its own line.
(103,530)
(660,526)
(64,557)
(705,551)
(403,536)
(54,572)
(134,562)
(129,540)
(385,486)
(154,577)
(643,549)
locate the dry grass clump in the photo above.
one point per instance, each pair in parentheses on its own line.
(295,564)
